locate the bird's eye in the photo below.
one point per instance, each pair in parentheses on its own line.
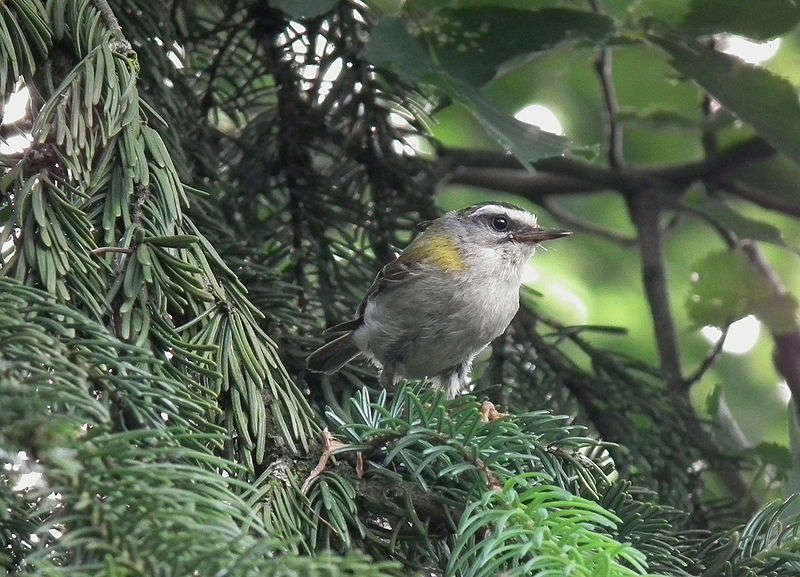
(500,223)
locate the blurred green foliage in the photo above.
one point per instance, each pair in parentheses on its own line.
(594,281)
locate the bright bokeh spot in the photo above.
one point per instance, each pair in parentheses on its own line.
(742,335)
(416,145)
(748,50)
(15,107)
(175,59)
(333,71)
(7,248)
(784,392)
(28,481)
(563,295)
(558,296)
(15,144)
(541,116)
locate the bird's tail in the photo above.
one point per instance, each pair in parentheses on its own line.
(333,356)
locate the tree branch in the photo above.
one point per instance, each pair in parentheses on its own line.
(533,186)
(787,345)
(787,361)
(108,16)
(564,175)
(614,129)
(604,68)
(738,156)
(756,196)
(645,213)
(112,23)
(708,362)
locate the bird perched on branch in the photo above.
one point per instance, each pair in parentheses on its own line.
(448,295)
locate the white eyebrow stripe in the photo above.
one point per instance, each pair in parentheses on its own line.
(513,214)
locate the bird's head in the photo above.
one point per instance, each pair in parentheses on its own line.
(497,228)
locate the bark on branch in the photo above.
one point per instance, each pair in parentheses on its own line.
(565,175)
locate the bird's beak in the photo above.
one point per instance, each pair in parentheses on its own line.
(539,234)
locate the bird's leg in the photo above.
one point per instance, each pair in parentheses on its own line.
(455,379)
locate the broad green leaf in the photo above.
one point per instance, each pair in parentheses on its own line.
(473,43)
(390,46)
(393,47)
(765,101)
(670,11)
(713,401)
(758,19)
(725,287)
(304,8)
(774,454)
(528,143)
(777,178)
(780,312)
(744,227)
(658,118)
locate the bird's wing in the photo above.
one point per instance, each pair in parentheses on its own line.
(344,327)
(428,252)
(396,272)
(400,270)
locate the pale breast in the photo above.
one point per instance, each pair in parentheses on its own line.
(436,323)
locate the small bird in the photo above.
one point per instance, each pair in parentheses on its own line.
(444,299)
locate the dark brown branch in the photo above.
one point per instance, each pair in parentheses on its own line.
(107,14)
(533,186)
(646,213)
(748,152)
(579,225)
(564,175)
(708,362)
(787,345)
(759,197)
(753,252)
(604,68)
(787,361)
(723,465)
(477,158)
(576,168)
(609,428)
(207,102)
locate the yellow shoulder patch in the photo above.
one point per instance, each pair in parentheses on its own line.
(436,250)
